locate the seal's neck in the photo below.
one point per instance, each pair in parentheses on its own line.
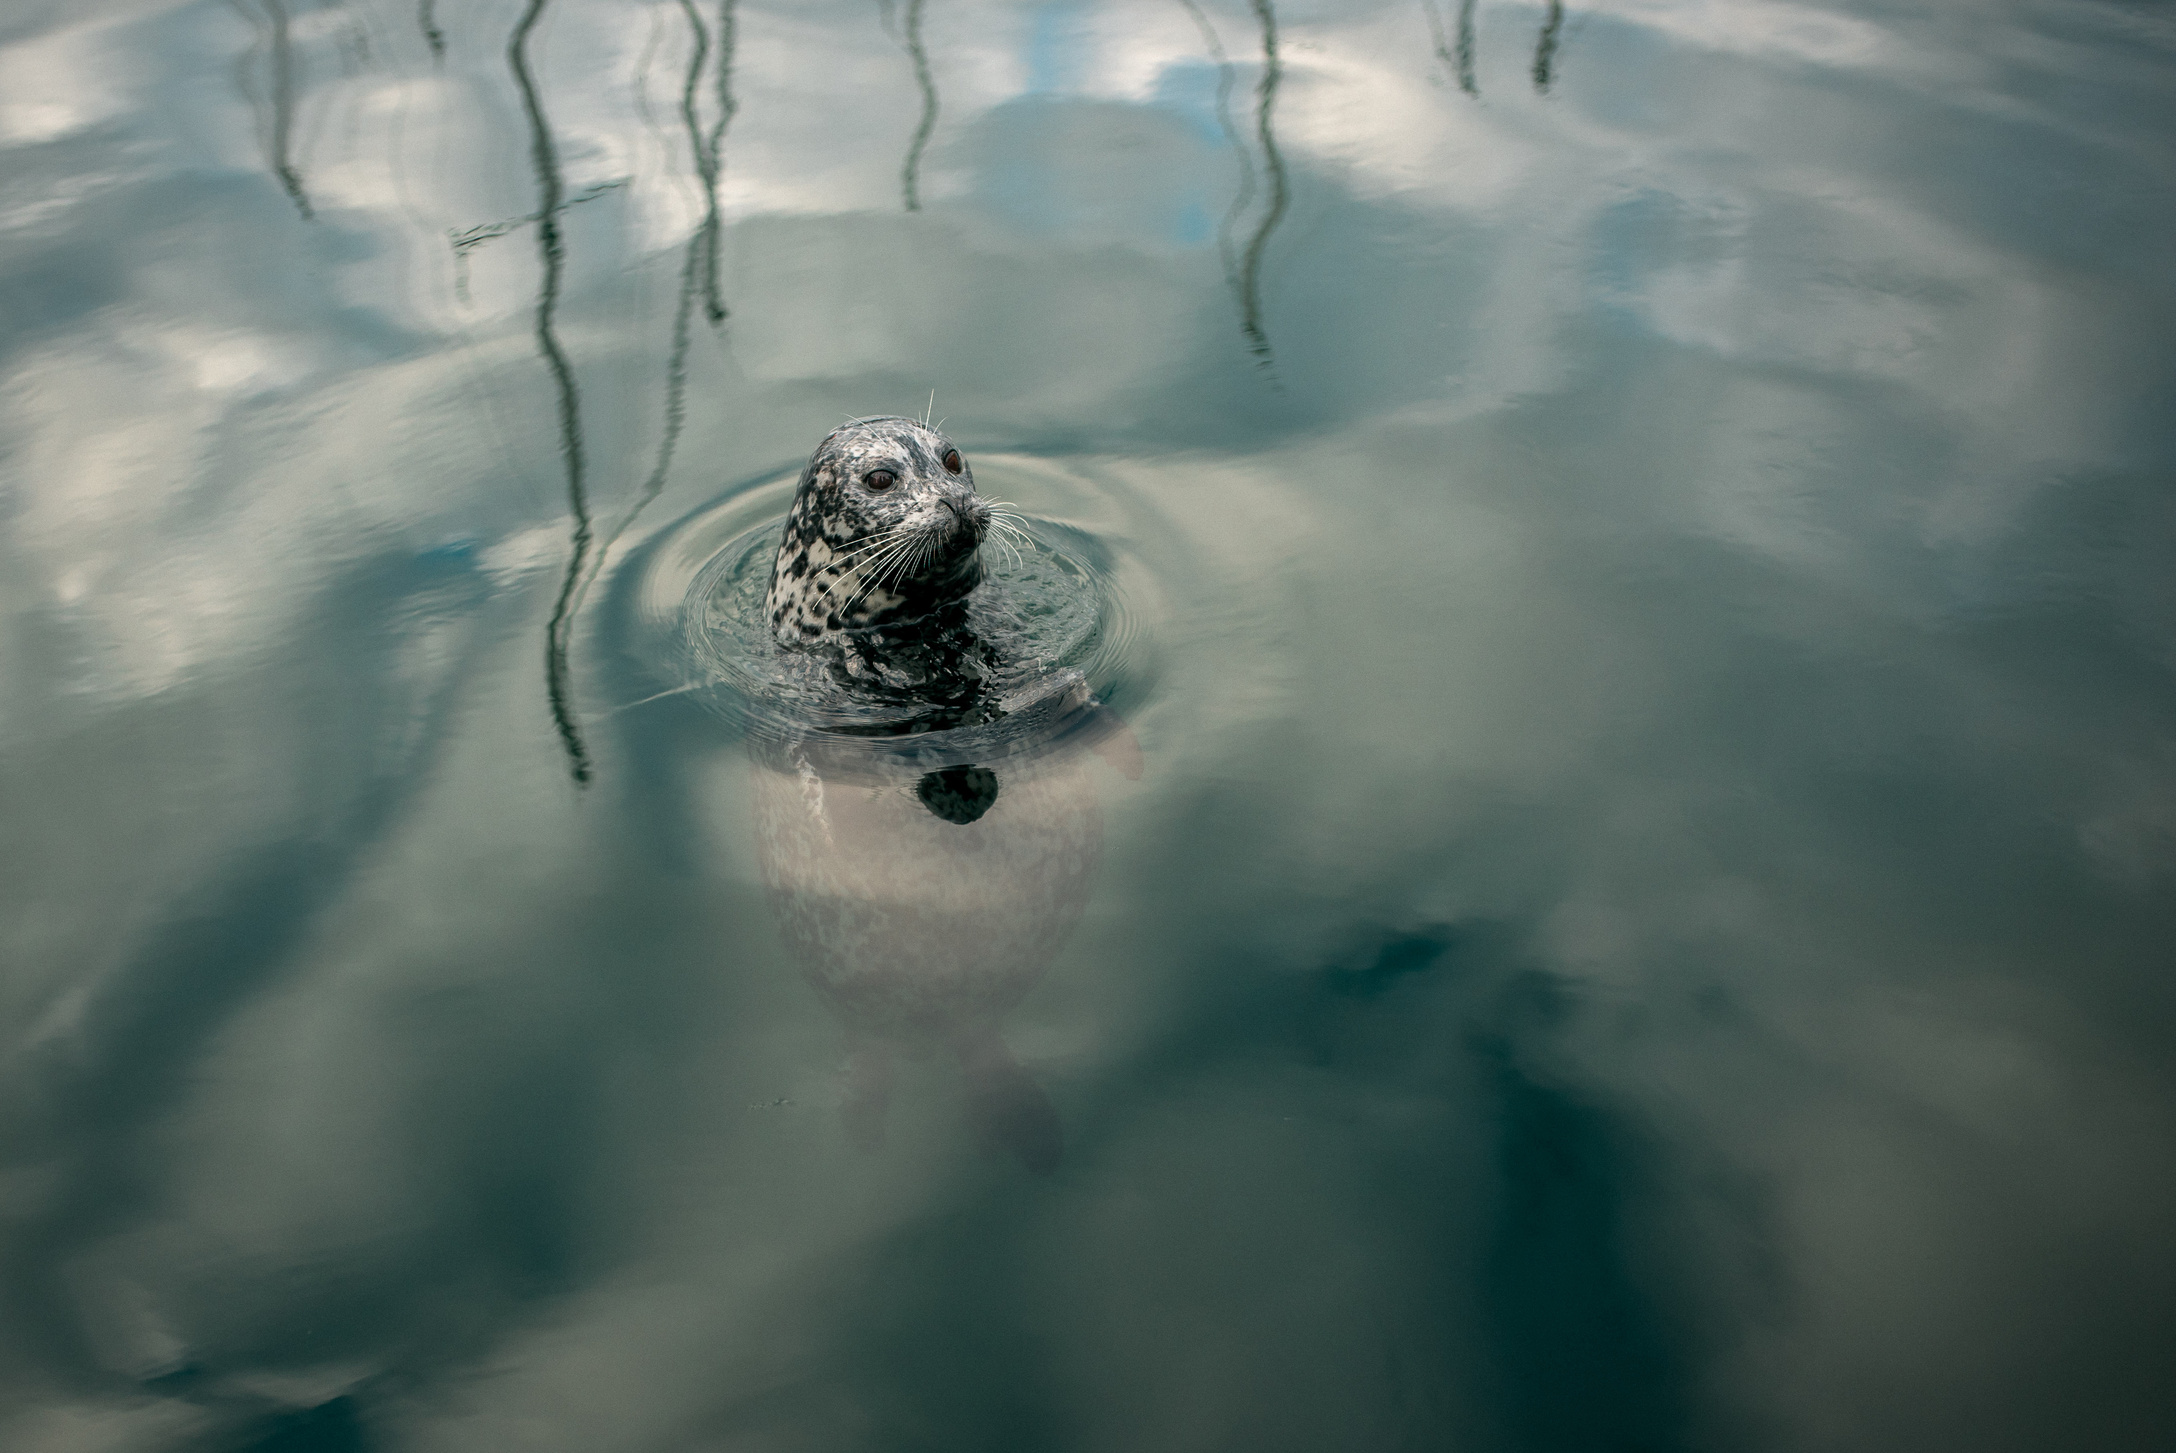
(819,592)
(935,669)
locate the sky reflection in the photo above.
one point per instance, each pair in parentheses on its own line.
(1643,920)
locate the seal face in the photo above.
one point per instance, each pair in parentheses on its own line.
(884,536)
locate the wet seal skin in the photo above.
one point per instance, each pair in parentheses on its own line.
(924,872)
(881,550)
(884,537)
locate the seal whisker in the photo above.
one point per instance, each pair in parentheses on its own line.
(1012,551)
(919,556)
(863,548)
(1006,515)
(1012,536)
(865,576)
(854,560)
(859,550)
(890,563)
(871,573)
(1009,536)
(876,572)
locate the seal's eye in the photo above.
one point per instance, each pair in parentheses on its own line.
(952,460)
(880,479)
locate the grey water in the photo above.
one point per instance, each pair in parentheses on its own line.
(1626,899)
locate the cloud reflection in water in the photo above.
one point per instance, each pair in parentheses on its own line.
(1644,924)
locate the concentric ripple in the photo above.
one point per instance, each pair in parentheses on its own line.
(1067,602)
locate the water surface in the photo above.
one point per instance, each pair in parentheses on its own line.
(1638,538)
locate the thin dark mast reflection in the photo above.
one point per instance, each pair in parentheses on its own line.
(698,272)
(1226,78)
(911,171)
(1545,45)
(1250,275)
(1464,58)
(552,254)
(283,108)
(427,22)
(708,150)
(1460,59)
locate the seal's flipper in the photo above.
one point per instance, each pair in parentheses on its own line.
(958,794)
(1009,1111)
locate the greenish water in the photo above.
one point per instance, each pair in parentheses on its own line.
(1634,544)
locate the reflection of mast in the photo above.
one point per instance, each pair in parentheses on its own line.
(1250,274)
(1466,81)
(283,107)
(707,149)
(1545,45)
(1461,59)
(1225,77)
(550,189)
(698,270)
(910,172)
(280,143)
(427,22)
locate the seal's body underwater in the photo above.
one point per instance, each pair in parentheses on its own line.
(922,893)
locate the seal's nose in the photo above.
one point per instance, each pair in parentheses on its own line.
(971,512)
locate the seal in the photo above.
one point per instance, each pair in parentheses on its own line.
(925,864)
(880,551)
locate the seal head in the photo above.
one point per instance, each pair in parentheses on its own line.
(884,535)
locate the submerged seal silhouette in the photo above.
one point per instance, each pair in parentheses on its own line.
(926,872)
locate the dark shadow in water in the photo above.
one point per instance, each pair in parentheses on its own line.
(1250,272)
(1585,1357)
(427,22)
(332,1427)
(1399,955)
(1545,46)
(910,173)
(247,1421)
(1226,78)
(278,136)
(1586,1349)
(550,191)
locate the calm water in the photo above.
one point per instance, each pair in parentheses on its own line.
(1634,542)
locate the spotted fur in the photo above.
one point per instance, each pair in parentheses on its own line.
(855,559)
